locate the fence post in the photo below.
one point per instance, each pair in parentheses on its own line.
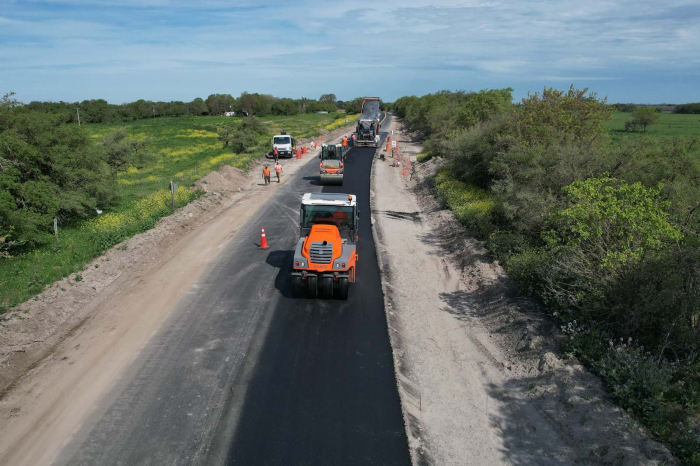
(55,227)
(172,196)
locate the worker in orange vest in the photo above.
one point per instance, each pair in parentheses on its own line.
(345,141)
(275,153)
(278,171)
(266,174)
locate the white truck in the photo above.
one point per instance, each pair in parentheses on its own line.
(285,145)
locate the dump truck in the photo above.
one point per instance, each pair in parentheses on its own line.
(332,163)
(326,254)
(284,143)
(368,126)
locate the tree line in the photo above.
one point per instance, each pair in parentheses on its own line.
(684,108)
(603,230)
(247,104)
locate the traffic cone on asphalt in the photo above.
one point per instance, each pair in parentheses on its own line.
(263,240)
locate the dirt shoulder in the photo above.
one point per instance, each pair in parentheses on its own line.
(479,374)
(60,352)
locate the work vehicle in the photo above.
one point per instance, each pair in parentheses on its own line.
(332,164)
(285,144)
(368,126)
(326,254)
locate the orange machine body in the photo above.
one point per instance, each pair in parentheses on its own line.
(330,235)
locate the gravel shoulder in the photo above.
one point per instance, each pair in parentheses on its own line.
(61,352)
(478,368)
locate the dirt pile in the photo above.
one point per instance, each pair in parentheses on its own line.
(226,179)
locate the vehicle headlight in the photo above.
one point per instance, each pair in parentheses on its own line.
(340,172)
(323,172)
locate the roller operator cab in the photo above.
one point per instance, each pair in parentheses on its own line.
(326,254)
(284,143)
(332,164)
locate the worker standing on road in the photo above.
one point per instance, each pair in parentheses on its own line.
(354,136)
(345,142)
(266,175)
(278,170)
(275,154)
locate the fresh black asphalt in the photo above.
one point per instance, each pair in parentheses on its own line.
(241,373)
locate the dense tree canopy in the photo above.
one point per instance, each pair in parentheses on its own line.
(47,170)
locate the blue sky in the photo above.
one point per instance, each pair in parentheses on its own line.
(629,50)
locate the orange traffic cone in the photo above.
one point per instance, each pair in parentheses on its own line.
(263,240)
(303,150)
(387,148)
(298,153)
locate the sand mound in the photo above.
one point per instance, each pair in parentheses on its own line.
(225,179)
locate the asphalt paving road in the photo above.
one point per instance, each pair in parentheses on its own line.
(241,373)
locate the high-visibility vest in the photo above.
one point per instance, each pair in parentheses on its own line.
(278,168)
(266,171)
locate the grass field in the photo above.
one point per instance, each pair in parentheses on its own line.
(670,125)
(185,149)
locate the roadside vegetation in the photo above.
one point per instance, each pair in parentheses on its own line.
(602,225)
(103,183)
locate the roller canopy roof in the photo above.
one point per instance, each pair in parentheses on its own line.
(349,200)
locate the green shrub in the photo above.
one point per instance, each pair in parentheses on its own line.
(527,268)
(650,388)
(424,157)
(611,220)
(473,207)
(503,244)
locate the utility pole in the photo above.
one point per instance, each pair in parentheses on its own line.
(78,110)
(154,113)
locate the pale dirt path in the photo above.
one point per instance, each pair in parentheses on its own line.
(91,345)
(477,378)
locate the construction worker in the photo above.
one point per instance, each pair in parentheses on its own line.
(278,170)
(354,136)
(266,174)
(345,142)
(275,154)
(341,218)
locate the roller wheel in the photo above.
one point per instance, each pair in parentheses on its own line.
(326,287)
(296,287)
(342,291)
(311,286)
